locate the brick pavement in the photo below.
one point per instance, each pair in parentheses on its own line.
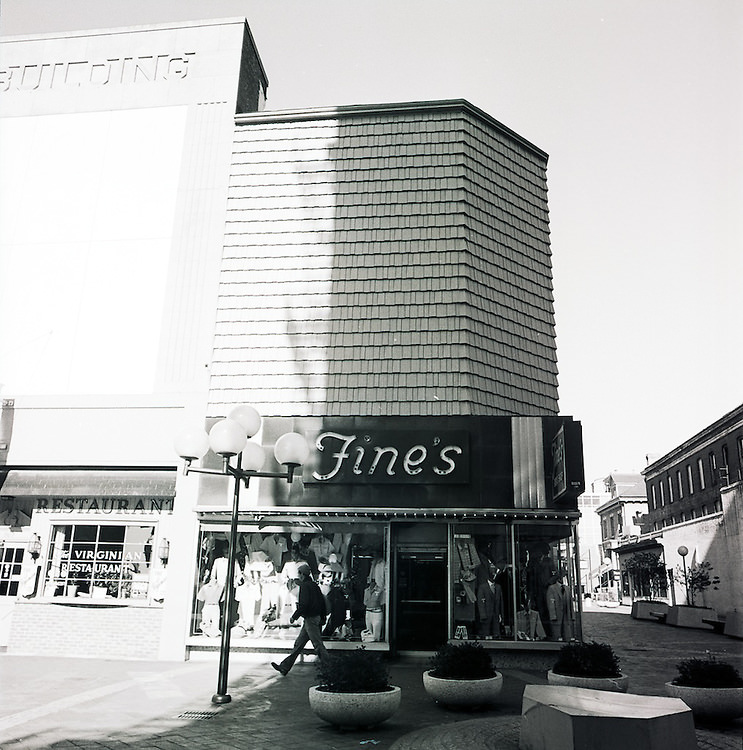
(80,703)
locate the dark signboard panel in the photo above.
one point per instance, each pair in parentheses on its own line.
(427,463)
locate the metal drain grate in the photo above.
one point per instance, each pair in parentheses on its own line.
(197,715)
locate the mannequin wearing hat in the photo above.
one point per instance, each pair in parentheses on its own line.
(490,605)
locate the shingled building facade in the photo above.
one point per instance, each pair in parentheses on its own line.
(375,277)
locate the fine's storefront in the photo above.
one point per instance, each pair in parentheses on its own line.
(410,583)
(417,530)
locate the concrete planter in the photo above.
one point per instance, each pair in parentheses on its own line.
(684,616)
(710,704)
(463,693)
(354,709)
(611,684)
(641,609)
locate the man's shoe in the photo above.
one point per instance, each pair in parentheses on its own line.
(278,668)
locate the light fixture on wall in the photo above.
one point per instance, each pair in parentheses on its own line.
(163,551)
(34,546)
(229,438)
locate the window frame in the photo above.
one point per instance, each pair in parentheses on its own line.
(700,467)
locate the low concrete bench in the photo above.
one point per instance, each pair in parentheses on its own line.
(734,624)
(718,625)
(659,616)
(563,718)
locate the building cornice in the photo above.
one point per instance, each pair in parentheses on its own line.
(361,110)
(727,423)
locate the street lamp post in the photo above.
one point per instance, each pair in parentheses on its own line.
(228,438)
(684,551)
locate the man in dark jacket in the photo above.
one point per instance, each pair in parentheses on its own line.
(311,607)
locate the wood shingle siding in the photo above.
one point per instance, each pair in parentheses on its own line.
(385,261)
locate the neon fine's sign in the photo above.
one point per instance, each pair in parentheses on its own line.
(393,457)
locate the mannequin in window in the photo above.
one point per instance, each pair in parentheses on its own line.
(374,600)
(308,556)
(322,546)
(248,597)
(294,542)
(560,606)
(490,605)
(274,545)
(504,579)
(289,587)
(538,574)
(212,613)
(270,588)
(335,596)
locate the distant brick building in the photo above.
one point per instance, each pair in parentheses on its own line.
(695,500)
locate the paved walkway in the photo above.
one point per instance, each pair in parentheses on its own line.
(76,703)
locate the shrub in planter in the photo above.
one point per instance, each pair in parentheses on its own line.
(707,673)
(462,661)
(354,690)
(462,675)
(590,665)
(357,671)
(712,689)
(589,659)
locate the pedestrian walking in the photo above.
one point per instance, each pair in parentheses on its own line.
(310,607)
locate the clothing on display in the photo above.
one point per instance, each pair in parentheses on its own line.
(352,579)
(560,607)
(490,609)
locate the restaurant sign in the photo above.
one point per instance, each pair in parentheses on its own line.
(105,505)
(392,457)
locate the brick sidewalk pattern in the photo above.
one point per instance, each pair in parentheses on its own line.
(95,703)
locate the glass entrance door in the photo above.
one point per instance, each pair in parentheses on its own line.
(421,606)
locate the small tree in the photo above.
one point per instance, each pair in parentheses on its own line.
(697,579)
(647,574)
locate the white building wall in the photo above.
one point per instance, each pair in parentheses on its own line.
(115,148)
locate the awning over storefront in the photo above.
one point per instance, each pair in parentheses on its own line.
(30,481)
(642,545)
(309,518)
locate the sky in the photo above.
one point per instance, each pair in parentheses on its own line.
(640,107)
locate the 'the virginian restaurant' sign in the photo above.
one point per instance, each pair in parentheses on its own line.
(392,457)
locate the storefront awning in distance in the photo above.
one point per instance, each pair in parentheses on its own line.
(82,481)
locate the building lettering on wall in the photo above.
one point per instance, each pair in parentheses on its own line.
(392,457)
(112,71)
(124,505)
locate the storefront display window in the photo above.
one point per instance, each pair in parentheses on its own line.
(513,581)
(88,560)
(349,562)
(11,563)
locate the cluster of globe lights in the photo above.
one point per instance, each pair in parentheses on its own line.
(230,437)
